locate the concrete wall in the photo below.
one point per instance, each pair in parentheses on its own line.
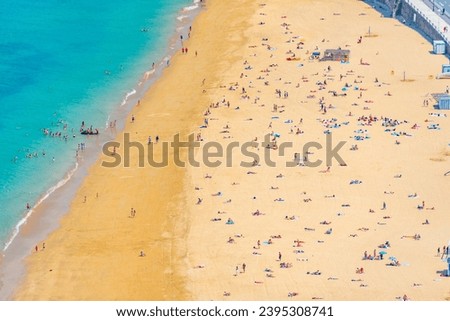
(421,23)
(410,16)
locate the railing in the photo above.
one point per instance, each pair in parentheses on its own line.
(426,17)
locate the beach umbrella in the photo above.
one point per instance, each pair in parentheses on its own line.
(392,258)
(383,252)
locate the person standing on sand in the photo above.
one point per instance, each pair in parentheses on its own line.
(243,267)
(279,256)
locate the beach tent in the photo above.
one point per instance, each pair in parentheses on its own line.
(443,101)
(438,47)
(336,55)
(446,258)
(448,266)
(445,68)
(315,55)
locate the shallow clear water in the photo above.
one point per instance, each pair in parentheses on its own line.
(63,62)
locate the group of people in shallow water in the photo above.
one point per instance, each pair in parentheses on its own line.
(88,131)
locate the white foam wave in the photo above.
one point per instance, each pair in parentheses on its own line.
(146,76)
(182,17)
(128,95)
(39,202)
(190,8)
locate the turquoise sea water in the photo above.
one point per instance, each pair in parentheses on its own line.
(63,62)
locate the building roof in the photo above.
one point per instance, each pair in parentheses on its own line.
(439,96)
(335,54)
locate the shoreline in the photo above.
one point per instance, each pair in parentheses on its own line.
(44,216)
(159,230)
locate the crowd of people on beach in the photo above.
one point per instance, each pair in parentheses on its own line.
(329,93)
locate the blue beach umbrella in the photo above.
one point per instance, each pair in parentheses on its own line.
(393,258)
(383,252)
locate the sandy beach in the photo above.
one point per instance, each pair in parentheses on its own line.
(369,226)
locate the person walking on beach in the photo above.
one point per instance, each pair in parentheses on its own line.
(243,267)
(237,270)
(279,256)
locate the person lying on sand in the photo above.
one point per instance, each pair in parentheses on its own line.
(317,272)
(257,213)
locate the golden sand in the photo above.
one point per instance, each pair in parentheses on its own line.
(94,255)
(190,253)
